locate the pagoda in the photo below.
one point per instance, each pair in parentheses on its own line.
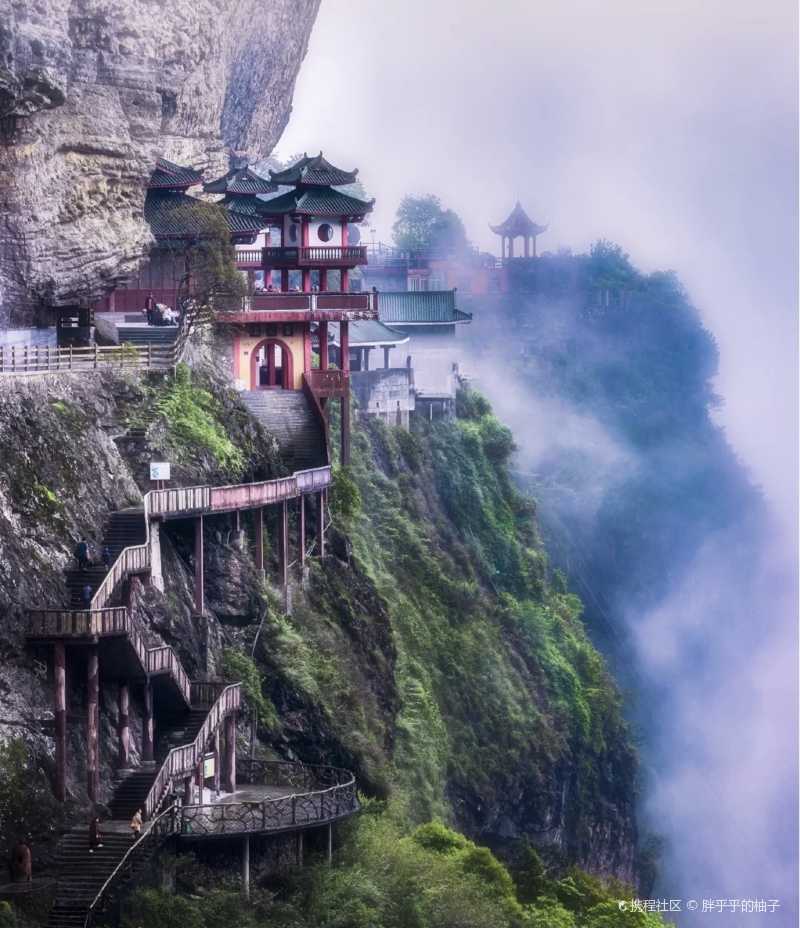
(274,333)
(241,188)
(518,225)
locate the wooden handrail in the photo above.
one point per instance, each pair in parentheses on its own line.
(163,825)
(184,759)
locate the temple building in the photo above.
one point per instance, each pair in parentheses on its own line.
(177,221)
(307,268)
(518,225)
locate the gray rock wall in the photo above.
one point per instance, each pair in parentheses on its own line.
(92,91)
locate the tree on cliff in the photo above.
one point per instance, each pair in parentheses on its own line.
(211,258)
(422,223)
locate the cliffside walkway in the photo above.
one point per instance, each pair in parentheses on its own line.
(199,715)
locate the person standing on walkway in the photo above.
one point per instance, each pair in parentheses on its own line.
(149,308)
(86,596)
(136,824)
(106,557)
(81,553)
(95,836)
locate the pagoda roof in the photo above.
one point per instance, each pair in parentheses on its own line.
(177,216)
(317,201)
(518,223)
(170,176)
(243,203)
(240,181)
(313,172)
(367,333)
(420,307)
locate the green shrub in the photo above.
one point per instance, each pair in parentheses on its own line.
(238,667)
(344,496)
(193,418)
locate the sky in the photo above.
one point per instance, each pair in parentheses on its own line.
(669,127)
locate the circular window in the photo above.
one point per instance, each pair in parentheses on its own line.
(325,232)
(353,234)
(293,234)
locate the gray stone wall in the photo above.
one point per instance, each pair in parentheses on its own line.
(92,92)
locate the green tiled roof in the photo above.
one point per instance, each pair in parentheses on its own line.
(420,307)
(317,201)
(251,206)
(169,175)
(364,332)
(240,181)
(178,216)
(313,172)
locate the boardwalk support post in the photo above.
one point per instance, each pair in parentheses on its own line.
(199,599)
(229,781)
(123,725)
(60,713)
(330,843)
(258,516)
(321,524)
(246,866)
(147,723)
(92,723)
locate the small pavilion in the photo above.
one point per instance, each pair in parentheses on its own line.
(518,225)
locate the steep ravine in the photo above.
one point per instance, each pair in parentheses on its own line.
(104,88)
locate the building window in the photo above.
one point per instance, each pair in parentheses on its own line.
(293,234)
(325,232)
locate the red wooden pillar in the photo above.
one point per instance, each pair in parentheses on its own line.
(60,713)
(284,279)
(199,779)
(258,516)
(302,531)
(284,544)
(147,723)
(304,241)
(323,346)
(199,597)
(307,351)
(323,279)
(344,342)
(123,725)
(229,774)
(321,523)
(92,723)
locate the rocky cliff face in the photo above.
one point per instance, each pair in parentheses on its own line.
(92,92)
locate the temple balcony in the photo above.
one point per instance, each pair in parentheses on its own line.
(315,256)
(279,306)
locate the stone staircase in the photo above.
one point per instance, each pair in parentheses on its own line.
(81,874)
(125,528)
(162,335)
(288,415)
(132,790)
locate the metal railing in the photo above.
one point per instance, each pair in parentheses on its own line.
(324,794)
(156,832)
(183,760)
